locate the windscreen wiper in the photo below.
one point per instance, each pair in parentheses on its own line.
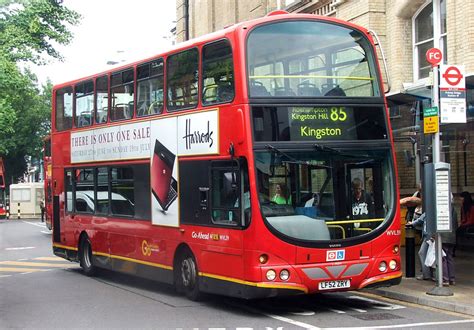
(323,148)
(293,160)
(275,149)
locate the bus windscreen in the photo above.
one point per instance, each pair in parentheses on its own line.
(310,59)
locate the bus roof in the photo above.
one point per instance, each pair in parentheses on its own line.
(237,27)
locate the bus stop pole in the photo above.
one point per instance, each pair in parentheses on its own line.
(439,290)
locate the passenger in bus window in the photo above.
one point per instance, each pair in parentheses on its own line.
(362,204)
(281,195)
(224,86)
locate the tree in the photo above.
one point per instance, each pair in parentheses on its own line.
(28,31)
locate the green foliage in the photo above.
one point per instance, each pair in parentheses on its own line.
(29,28)
(28,31)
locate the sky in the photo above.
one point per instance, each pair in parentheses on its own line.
(111,31)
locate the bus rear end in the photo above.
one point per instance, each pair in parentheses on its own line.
(322,162)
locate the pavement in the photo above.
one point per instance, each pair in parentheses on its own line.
(415,291)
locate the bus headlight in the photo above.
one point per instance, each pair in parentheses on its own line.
(392,264)
(271,275)
(396,248)
(383,266)
(263,258)
(284,275)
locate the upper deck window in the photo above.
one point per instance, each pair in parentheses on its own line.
(84,99)
(182,80)
(310,59)
(218,73)
(150,88)
(64,108)
(102,99)
(122,95)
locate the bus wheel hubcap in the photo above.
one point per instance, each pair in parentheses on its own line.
(188,272)
(87,261)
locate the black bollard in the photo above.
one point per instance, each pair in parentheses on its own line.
(409,251)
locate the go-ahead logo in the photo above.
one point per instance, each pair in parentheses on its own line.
(148,248)
(335,255)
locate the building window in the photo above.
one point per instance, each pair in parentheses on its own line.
(423,37)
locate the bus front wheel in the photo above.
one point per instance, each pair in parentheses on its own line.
(187,279)
(85,257)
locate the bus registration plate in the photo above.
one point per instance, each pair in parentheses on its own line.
(340,284)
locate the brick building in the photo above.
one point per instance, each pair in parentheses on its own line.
(406,31)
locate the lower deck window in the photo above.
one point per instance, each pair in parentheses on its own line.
(109,190)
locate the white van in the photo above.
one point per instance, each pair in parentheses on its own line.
(85,203)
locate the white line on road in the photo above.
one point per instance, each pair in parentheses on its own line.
(293,322)
(46,232)
(5,276)
(409,325)
(43,225)
(378,304)
(358,310)
(20,248)
(336,311)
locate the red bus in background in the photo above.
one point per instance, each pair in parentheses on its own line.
(252,162)
(3,201)
(48,190)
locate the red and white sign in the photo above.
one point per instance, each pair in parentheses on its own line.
(335,255)
(452,94)
(452,76)
(434,56)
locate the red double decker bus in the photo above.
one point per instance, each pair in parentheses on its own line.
(3,206)
(252,162)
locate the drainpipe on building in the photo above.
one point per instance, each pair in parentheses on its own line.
(186,19)
(465,142)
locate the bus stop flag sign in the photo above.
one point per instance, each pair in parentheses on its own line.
(452,93)
(430,120)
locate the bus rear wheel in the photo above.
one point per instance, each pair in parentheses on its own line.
(85,257)
(187,279)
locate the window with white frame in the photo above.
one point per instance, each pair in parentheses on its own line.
(423,37)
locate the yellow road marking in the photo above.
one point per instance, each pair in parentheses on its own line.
(35,264)
(19,270)
(49,258)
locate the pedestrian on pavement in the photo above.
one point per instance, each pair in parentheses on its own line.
(467,210)
(413,204)
(43,209)
(449,244)
(427,272)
